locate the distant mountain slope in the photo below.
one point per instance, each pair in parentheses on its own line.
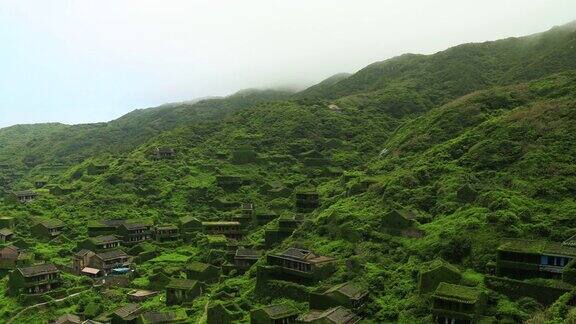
(30,145)
(462,69)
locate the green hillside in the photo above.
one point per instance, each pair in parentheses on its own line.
(424,166)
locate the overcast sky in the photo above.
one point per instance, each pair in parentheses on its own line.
(88,61)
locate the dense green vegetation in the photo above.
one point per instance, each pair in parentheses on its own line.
(477,142)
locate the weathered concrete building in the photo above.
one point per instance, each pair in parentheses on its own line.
(302,263)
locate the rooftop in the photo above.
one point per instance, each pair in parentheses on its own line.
(68,318)
(135,225)
(154,317)
(25,193)
(127,310)
(457,293)
(38,270)
(51,223)
(103,239)
(114,254)
(197,266)
(220,223)
(82,253)
(179,283)
(304,255)
(6,231)
(537,247)
(338,315)
(349,290)
(248,253)
(187,219)
(280,311)
(167,227)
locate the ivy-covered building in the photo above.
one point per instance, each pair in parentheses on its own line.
(100,243)
(127,314)
(202,272)
(47,228)
(35,279)
(307,201)
(135,232)
(286,226)
(25,196)
(302,263)
(110,260)
(231,230)
(457,304)
(161,153)
(434,272)
(181,291)
(167,233)
(245,258)
(346,294)
(274,314)
(533,258)
(220,312)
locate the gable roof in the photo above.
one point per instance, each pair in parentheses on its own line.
(6,231)
(457,293)
(128,311)
(179,283)
(248,254)
(114,254)
(279,311)
(336,315)
(82,253)
(51,223)
(188,219)
(197,266)
(304,255)
(537,247)
(135,225)
(103,239)
(68,318)
(154,317)
(167,227)
(349,290)
(25,193)
(38,270)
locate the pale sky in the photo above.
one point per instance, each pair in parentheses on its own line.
(80,61)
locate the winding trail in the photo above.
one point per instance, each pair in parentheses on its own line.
(42,304)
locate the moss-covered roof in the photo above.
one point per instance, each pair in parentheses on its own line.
(51,223)
(457,293)
(436,264)
(179,283)
(280,311)
(537,247)
(197,266)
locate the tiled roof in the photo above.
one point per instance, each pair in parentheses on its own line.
(336,315)
(349,290)
(197,266)
(103,239)
(51,223)
(220,223)
(457,293)
(280,311)
(82,253)
(38,270)
(135,225)
(25,193)
(6,231)
(179,283)
(537,247)
(114,254)
(129,310)
(68,318)
(305,255)
(248,254)
(154,317)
